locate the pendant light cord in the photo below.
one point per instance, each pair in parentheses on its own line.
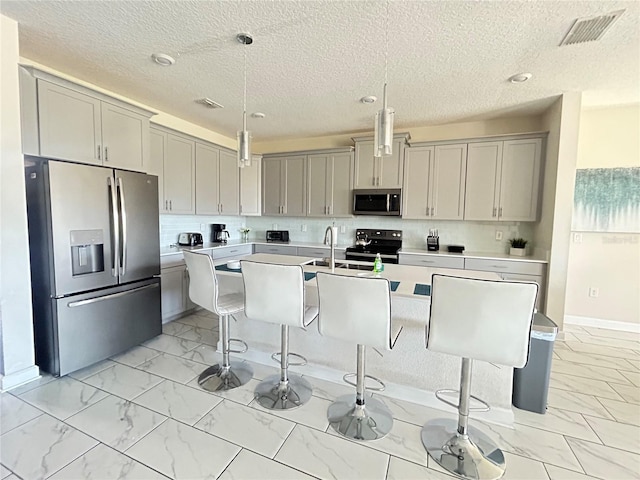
(244,97)
(386,41)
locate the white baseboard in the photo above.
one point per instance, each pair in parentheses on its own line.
(19,378)
(601,323)
(500,416)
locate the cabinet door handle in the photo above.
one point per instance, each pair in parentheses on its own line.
(498,266)
(221,208)
(494,212)
(170,205)
(99,152)
(432,211)
(166,205)
(500,212)
(330,209)
(106,154)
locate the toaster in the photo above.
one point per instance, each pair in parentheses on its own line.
(281,236)
(190,239)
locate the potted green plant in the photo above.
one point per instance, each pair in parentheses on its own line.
(518,247)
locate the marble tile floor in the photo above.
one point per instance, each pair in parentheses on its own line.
(141,415)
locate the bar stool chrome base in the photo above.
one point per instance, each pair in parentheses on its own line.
(360,422)
(473,456)
(219,378)
(274,394)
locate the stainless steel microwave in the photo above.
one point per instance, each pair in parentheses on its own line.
(377,202)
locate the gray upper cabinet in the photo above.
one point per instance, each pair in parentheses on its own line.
(382,172)
(434,182)
(229,183)
(179,175)
(76,124)
(520,179)
(125,138)
(251,187)
(207,179)
(69,124)
(284,186)
(329,184)
(272,199)
(503,180)
(157,152)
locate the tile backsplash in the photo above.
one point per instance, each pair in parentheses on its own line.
(475,236)
(172,225)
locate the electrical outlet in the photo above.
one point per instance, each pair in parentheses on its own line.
(202,227)
(594,292)
(577,238)
(343,229)
(498,234)
(275,226)
(304,228)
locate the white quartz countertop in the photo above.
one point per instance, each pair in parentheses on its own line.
(231,243)
(485,255)
(407,276)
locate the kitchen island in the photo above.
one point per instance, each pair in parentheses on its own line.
(409,370)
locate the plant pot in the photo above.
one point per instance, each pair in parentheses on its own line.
(518,252)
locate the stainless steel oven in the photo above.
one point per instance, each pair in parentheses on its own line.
(370,242)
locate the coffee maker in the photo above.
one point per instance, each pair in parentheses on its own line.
(219,233)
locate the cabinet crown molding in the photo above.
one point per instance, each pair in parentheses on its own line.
(310,152)
(406,136)
(186,136)
(488,138)
(49,77)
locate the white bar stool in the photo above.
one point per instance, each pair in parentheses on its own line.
(477,320)
(358,310)
(275,294)
(204,291)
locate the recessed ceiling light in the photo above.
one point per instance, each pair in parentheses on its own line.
(258,115)
(163,59)
(369,99)
(520,78)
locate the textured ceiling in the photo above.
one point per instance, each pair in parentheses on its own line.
(312,60)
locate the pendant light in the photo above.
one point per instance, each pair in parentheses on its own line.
(383,128)
(244,136)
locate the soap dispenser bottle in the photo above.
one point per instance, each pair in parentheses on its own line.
(377,264)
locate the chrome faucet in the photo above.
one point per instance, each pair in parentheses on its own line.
(332,259)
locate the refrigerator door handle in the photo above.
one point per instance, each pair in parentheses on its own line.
(115,228)
(123,222)
(89,301)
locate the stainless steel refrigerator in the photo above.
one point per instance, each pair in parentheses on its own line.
(95,261)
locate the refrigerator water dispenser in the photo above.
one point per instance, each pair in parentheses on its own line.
(87,251)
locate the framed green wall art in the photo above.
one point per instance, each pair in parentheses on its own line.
(607,200)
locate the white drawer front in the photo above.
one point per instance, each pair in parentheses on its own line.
(504,266)
(231,251)
(432,261)
(276,249)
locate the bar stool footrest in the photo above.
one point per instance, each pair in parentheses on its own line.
(241,342)
(439,395)
(347,376)
(276,358)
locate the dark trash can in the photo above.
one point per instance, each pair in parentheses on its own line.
(531,383)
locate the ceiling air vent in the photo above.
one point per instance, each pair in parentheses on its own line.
(207,102)
(590,29)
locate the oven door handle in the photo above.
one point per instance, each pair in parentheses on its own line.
(371,255)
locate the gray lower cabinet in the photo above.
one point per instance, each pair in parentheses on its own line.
(276,249)
(432,261)
(174,291)
(231,252)
(514,271)
(319,252)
